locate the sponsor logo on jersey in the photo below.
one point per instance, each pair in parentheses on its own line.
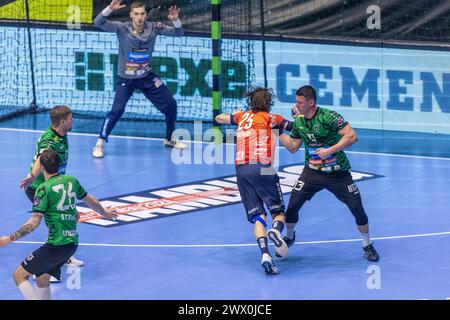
(316,128)
(186,198)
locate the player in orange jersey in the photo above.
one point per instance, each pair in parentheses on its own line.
(258,183)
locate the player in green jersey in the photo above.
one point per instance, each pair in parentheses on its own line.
(325,134)
(55,202)
(54,138)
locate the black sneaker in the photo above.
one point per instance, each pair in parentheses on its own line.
(289,243)
(370,253)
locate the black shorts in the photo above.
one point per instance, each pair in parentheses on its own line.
(340,183)
(258,185)
(49,259)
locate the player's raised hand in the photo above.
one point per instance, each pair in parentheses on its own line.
(173,13)
(5,240)
(295,112)
(27,181)
(116,5)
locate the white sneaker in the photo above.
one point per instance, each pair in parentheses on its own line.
(281,248)
(174,144)
(97,152)
(74,262)
(268,264)
(52,279)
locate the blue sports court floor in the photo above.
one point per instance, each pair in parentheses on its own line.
(197,244)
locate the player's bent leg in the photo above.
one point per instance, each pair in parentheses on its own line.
(169,109)
(26,288)
(157,92)
(170,112)
(296,202)
(43,286)
(124,91)
(20,275)
(355,205)
(261,238)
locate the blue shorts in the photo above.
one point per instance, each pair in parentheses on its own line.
(258,185)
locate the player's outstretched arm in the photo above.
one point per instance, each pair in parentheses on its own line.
(95,205)
(174,13)
(290,143)
(280,123)
(101,22)
(223,118)
(177,29)
(25,229)
(116,5)
(32,175)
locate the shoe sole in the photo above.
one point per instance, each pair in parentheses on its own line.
(281,248)
(372,260)
(98,157)
(73,265)
(268,268)
(169,146)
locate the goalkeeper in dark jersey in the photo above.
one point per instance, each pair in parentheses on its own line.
(54,138)
(55,202)
(137,40)
(325,134)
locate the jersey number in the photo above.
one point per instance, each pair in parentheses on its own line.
(246,122)
(70,194)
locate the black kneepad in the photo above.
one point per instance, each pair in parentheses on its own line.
(354,203)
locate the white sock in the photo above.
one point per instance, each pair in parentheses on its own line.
(365,238)
(28,291)
(100,142)
(44,293)
(290,232)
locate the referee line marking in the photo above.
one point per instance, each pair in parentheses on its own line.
(205,142)
(240,244)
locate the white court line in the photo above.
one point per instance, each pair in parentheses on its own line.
(238,244)
(204,142)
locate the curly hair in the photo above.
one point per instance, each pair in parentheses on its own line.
(260,99)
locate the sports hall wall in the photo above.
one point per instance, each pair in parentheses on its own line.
(374,86)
